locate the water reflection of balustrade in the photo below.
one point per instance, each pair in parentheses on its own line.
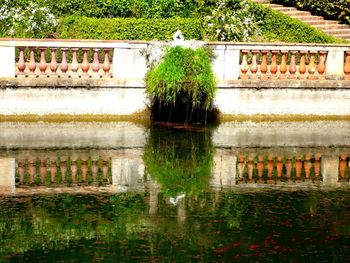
(278,168)
(344,168)
(58,171)
(64,62)
(283,64)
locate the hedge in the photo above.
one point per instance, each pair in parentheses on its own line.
(123,8)
(332,9)
(280,27)
(128,28)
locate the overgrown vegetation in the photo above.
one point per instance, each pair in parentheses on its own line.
(182,87)
(332,9)
(223,20)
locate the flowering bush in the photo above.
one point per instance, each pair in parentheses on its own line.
(232,22)
(33,21)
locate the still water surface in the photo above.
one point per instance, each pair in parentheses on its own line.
(123,192)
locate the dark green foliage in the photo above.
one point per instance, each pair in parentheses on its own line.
(280,27)
(181,84)
(128,28)
(124,8)
(332,9)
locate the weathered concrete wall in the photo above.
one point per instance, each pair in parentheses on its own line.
(41,101)
(283,101)
(21,96)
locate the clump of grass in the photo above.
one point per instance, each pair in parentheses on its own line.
(183,81)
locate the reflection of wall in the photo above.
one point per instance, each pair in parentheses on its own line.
(7,175)
(224,173)
(72,134)
(128,170)
(330,169)
(282,134)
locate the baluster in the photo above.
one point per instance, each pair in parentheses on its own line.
(106,63)
(84,170)
(312,66)
(273,66)
(85,64)
(292,66)
(42,63)
(298,167)
(317,166)
(270,166)
(104,170)
(321,68)
(53,64)
(279,166)
(94,171)
(347,65)
(63,169)
(32,63)
(250,168)
(288,167)
(75,64)
(21,62)
(260,167)
(42,171)
(302,65)
(307,166)
(32,170)
(74,170)
(53,170)
(342,167)
(64,63)
(244,65)
(263,66)
(96,63)
(21,171)
(254,65)
(283,66)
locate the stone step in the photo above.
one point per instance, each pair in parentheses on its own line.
(332,26)
(342,35)
(285,9)
(337,31)
(320,22)
(309,18)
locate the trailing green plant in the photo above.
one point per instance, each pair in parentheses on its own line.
(128,28)
(183,81)
(333,9)
(232,22)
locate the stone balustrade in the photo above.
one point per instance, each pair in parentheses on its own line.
(123,59)
(292,168)
(63,170)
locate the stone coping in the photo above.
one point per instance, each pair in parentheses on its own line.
(91,83)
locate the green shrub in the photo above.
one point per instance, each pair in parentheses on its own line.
(276,26)
(332,9)
(183,71)
(128,28)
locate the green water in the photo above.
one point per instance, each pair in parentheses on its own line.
(298,226)
(179,195)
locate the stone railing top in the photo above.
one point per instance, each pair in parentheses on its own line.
(91,43)
(71,43)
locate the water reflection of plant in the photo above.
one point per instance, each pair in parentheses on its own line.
(180,161)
